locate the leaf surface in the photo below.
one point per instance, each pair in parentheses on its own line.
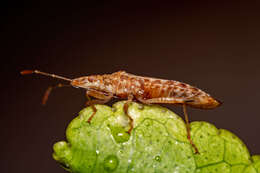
(157,144)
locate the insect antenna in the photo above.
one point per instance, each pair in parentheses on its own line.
(25,72)
(50,88)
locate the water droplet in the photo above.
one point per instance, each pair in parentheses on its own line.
(158,158)
(119,134)
(110,163)
(97,151)
(148,123)
(120,153)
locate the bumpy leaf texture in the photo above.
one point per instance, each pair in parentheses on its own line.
(157,144)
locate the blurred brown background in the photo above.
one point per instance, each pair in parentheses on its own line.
(214,46)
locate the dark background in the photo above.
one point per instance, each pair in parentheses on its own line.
(214,46)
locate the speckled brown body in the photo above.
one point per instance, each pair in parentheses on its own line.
(147,90)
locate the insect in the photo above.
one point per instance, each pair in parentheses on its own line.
(146,90)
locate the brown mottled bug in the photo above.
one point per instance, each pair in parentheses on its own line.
(146,90)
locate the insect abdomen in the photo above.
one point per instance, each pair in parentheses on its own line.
(148,88)
(155,88)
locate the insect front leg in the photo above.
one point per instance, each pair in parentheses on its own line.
(126,106)
(49,90)
(172,100)
(102,98)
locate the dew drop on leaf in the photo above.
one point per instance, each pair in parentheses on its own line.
(157,158)
(148,123)
(119,134)
(97,151)
(110,163)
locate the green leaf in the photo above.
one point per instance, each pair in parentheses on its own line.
(158,143)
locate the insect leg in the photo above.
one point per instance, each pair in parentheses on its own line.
(48,91)
(101,99)
(126,105)
(188,129)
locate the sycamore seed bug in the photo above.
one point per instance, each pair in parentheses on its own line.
(146,90)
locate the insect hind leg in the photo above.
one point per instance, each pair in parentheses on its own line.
(188,129)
